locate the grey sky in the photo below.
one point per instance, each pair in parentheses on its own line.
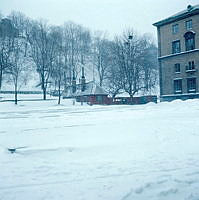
(107,15)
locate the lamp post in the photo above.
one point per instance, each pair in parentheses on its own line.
(128,44)
(128,63)
(129,40)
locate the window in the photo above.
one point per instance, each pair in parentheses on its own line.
(177,68)
(191,85)
(188,24)
(176,47)
(191,66)
(189,41)
(175,28)
(178,86)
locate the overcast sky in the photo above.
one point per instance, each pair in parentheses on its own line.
(106,15)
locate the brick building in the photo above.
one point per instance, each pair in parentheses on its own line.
(178,55)
(89,92)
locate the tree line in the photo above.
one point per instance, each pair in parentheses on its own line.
(58,53)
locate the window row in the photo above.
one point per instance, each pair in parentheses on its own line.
(188,26)
(190,67)
(189,43)
(191,85)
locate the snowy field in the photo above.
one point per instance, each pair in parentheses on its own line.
(85,152)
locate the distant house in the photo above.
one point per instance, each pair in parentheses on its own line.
(92,93)
(178,55)
(89,92)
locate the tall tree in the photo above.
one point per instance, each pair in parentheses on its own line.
(101,56)
(17,67)
(84,44)
(132,58)
(7,33)
(114,81)
(76,47)
(43,47)
(57,73)
(71,49)
(150,67)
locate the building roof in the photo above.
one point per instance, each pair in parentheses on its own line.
(191,10)
(91,88)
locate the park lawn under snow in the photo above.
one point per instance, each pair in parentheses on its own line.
(99,152)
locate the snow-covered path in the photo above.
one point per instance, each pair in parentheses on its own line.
(99,152)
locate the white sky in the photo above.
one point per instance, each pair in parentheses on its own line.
(112,16)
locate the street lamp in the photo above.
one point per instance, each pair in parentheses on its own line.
(130,37)
(128,44)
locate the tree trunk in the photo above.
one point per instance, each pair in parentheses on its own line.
(131,96)
(59,91)
(15,93)
(1,77)
(44,93)
(44,89)
(101,81)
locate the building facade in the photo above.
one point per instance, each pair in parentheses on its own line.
(178,55)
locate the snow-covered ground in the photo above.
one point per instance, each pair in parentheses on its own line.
(85,152)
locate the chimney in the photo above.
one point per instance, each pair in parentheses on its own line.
(74,82)
(83,81)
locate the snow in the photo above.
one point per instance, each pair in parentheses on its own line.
(99,152)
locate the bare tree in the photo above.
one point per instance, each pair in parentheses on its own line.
(71,54)
(17,63)
(84,44)
(101,56)
(17,69)
(114,81)
(57,73)
(76,48)
(133,60)
(42,43)
(150,67)
(7,32)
